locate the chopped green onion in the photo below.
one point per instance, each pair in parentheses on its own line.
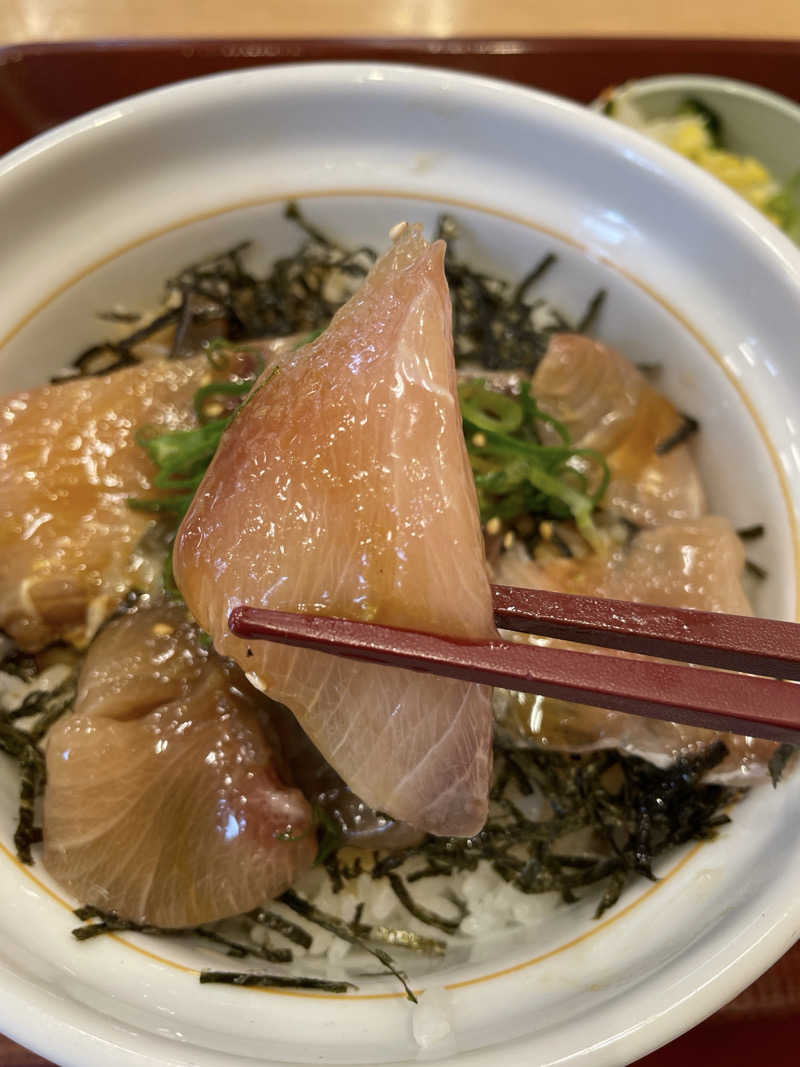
(175,450)
(219,389)
(489,410)
(514,473)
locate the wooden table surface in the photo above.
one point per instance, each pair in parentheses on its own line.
(57,20)
(40,20)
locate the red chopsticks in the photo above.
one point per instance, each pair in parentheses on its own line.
(716,699)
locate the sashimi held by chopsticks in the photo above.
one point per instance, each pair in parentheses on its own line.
(343,488)
(745,703)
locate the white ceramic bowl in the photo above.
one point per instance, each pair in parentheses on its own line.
(101,210)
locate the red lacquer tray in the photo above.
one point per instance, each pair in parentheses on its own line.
(43,85)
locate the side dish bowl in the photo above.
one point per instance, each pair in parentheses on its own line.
(756,121)
(99,212)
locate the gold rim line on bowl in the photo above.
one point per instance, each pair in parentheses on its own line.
(598,258)
(549,954)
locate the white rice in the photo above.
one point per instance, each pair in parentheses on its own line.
(493,905)
(13,690)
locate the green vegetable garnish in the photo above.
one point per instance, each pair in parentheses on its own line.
(182,456)
(515,474)
(713,123)
(785,206)
(42,709)
(217,389)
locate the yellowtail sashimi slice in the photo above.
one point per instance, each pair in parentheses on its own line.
(695,564)
(343,488)
(606,403)
(166,802)
(69,462)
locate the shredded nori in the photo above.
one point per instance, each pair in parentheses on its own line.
(273,981)
(109,356)
(592,313)
(33,776)
(346,932)
(751,533)
(240,950)
(408,939)
(688,427)
(651,371)
(108,922)
(291,931)
(42,708)
(755,569)
(425,915)
(494,321)
(220,297)
(631,811)
(119,316)
(778,761)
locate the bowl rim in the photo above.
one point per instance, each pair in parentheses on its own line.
(784,930)
(672,165)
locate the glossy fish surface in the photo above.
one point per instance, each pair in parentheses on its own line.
(166,801)
(695,564)
(343,488)
(69,462)
(606,403)
(344,814)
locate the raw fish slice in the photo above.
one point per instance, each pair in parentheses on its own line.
(691,564)
(165,801)
(69,461)
(354,822)
(607,404)
(343,488)
(694,564)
